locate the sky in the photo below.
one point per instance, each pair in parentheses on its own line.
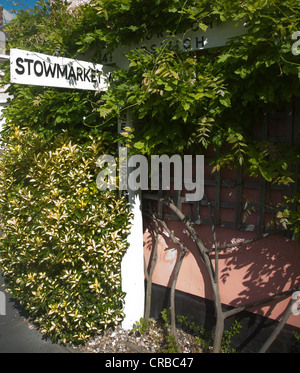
(17,4)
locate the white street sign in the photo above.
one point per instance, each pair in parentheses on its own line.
(49,71)
(216,35)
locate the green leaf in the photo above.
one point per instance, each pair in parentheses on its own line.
(139,145)
(186,106)
(225,101)
(168,88)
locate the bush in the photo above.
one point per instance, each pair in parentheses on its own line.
(62,239)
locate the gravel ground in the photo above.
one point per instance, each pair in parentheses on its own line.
(153,340)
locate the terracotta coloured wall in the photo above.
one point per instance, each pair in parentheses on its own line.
(247,273)
(242,206)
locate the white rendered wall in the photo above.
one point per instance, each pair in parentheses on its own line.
(132,266)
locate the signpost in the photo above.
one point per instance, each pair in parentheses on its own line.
(195,39)
(43,70)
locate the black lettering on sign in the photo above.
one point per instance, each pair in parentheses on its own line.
(49,69)
(107,58)
(199,42)
(79,73)
(93,76)
(21,69)
(62,71)
(85,75)
(29,63)
(38,68)
(72,74)
(187,43)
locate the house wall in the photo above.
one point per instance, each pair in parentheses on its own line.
(243,207)
(248,273)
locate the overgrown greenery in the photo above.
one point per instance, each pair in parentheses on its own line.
(181,102)
(193,101)
(200,339)
(62,239)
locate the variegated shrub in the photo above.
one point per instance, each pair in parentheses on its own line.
(62,239)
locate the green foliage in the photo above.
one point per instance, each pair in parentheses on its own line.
(206,339)
(182,102)
(123,22)
(141,326)
(165,315)
(50,110)
(166,91)
(172,345)
(62,239)
(296,336)
(289,216)
(47,28)
(190,325)
(192,101)
(201,336)
(227,336)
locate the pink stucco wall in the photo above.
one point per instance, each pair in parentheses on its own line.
(251,272)
(248,273)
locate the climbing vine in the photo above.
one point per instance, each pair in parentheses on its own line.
(192,101)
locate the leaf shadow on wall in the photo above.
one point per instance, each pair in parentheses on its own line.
(261,269)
